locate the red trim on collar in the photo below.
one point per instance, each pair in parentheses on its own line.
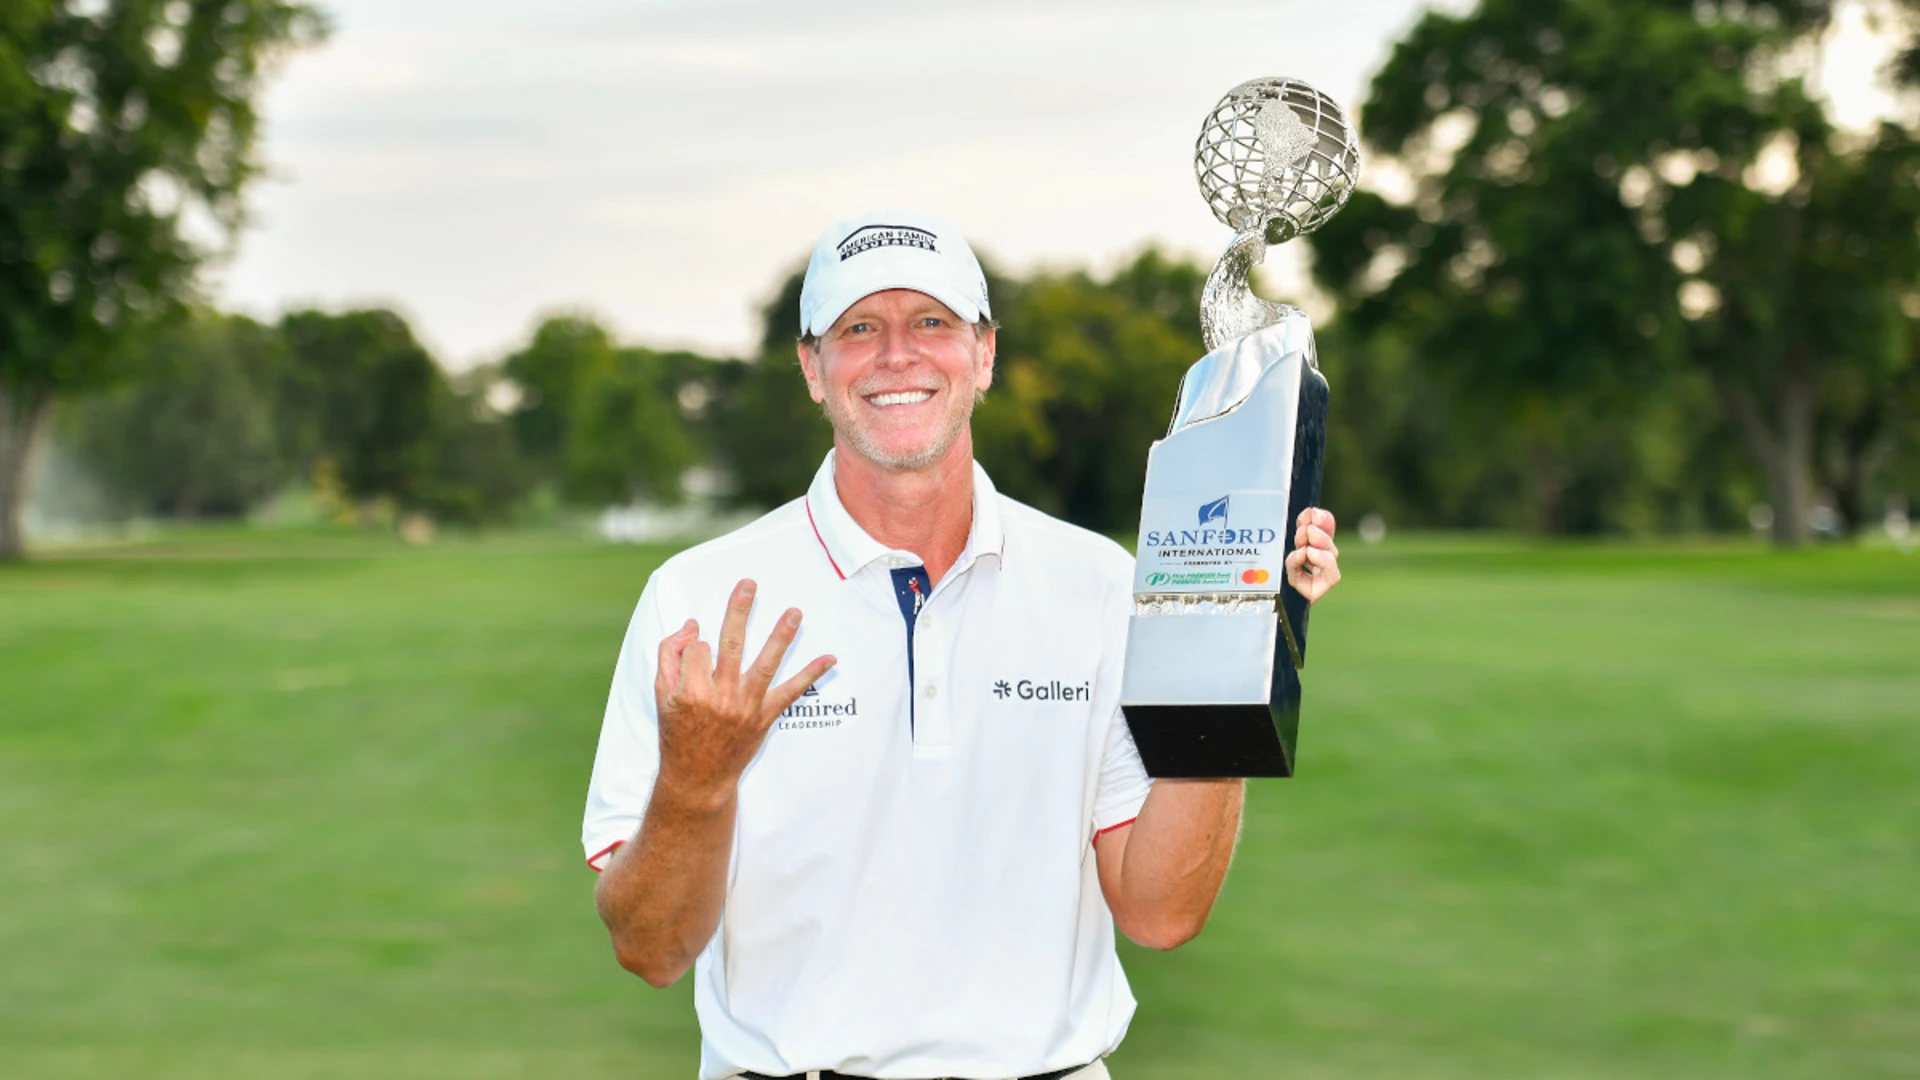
(808,503)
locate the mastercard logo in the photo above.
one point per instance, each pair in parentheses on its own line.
(1255,577)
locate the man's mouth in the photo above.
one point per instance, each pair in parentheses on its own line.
(899,397)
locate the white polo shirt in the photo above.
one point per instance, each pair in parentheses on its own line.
(912,891)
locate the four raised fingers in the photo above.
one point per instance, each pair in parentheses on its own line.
(689,665)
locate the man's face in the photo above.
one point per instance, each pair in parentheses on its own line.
(897,374)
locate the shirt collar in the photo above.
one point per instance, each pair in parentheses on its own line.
(851,549)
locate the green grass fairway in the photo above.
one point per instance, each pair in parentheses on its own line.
(309,809)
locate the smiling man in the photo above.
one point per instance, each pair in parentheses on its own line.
(880,857)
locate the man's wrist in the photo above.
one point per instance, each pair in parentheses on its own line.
(673,792)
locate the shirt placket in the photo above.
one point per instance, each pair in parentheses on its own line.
(935,640)
(926,616)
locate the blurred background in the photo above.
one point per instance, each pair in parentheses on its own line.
(359,360)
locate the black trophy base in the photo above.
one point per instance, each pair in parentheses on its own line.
(1192,742)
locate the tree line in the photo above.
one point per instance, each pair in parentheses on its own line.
(1633,277)
(1631,221)
(232,410)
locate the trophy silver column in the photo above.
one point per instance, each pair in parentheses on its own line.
(1217,637)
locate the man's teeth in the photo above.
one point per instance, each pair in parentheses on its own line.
(904,397)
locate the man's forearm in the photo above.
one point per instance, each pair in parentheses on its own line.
(1176,857)
(661,895)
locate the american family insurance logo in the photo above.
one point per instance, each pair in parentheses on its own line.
(869,237)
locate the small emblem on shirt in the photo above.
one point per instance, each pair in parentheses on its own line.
(1050,690)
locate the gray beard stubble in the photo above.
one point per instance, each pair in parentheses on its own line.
(866,448)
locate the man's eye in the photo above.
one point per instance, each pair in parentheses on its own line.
(859,328)
(933,320)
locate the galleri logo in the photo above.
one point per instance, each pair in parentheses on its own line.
(1051,690)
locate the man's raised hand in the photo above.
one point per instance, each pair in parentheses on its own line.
(1313,566)
(713,714)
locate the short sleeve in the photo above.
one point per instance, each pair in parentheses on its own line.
(1123,779)
(1123,783)
(628,758)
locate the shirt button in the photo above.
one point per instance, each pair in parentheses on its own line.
(933,691)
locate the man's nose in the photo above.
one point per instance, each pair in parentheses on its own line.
(897,347)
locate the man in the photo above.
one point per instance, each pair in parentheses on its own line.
(901,848)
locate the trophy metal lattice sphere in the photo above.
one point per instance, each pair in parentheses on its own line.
(1276,154)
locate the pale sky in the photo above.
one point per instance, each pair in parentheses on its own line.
(662,163)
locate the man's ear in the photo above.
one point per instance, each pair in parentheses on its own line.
(984,379)
(809,368)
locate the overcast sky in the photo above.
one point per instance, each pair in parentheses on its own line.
(662,163)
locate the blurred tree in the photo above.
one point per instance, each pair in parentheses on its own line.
(1605,194)
(117,119)
(604,424)
(195,434)
(760,426)
(1084,383)
(472,471)
(566,352)
(764,432)
(1905,68)
(363,392)
(629,439)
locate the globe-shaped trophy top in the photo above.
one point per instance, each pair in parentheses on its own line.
(1278,155)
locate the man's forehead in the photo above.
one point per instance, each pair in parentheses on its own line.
(910,301)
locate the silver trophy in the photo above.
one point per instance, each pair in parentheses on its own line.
(1218,637)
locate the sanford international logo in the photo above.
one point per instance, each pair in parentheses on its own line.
(812,712)
(1050,690)
(869,237)
(1214,538)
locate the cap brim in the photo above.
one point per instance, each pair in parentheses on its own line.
(851,292)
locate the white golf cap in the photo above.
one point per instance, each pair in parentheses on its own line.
(890,249)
